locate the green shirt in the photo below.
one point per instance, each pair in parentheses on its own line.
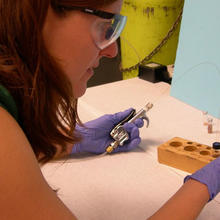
(8,103)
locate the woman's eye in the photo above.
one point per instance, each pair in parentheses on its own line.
(109,33)
(106,30)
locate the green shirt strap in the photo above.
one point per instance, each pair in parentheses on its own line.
(8,103)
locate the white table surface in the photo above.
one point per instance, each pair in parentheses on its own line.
(132,185)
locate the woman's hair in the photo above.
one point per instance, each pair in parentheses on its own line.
(43,94)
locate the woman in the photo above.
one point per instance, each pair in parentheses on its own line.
(48,49)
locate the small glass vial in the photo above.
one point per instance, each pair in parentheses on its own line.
(205,118)
(210,125)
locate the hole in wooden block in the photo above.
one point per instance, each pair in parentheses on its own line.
(208,148)
(190,148)
(204,152)
(198,145)
(175,144)
(189,142)
(216,155)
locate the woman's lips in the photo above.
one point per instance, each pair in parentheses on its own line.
(90,71)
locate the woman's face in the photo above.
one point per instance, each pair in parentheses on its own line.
(70,41)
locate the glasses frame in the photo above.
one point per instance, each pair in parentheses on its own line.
(98,13)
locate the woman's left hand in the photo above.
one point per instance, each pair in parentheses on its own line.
(96,133)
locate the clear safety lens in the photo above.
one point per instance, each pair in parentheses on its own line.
(108,31)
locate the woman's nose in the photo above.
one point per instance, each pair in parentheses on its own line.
(110,51)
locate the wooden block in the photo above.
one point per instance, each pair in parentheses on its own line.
(185,155)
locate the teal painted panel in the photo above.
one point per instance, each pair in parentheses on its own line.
(196,78)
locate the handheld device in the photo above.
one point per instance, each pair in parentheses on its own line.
(119,134)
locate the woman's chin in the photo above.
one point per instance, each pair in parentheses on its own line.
(80,87)
(78,92)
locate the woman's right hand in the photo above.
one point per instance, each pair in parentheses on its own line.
(210,176)
(96,133)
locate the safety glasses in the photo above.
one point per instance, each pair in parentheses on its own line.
(107,31)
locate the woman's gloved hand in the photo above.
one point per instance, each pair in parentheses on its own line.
(96,133)
(210,176)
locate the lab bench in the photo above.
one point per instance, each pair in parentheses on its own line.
(130,185)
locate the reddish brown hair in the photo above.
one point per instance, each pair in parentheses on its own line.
(43,94)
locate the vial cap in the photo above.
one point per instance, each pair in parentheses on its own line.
(216,145)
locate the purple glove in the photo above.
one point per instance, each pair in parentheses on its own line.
(96,134)
(210,176)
